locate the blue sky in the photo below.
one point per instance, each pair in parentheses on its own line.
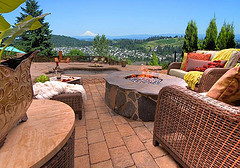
(126,17)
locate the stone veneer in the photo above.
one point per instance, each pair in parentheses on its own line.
(136,101)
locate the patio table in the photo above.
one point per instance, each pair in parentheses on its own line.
(46,139)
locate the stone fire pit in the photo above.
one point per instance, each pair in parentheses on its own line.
(133,99)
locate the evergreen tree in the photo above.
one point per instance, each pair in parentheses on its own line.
(190,38)
(36,39)
(230,36)
(75,52)
(101,44)
(210,40)
(222,38)
(154,61)
(200,44)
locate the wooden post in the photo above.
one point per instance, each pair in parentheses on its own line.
(175,56)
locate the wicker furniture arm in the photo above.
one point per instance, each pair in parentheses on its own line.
(197,131)
(209,77)
(235,60)
(74,100)
(174,65)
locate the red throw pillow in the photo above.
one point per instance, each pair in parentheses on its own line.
(197,56)
(194,63)
(211,64)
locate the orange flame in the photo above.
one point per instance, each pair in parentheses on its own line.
(146,73)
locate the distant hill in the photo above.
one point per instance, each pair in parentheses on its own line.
(137,37)
(84,38)
(131,37)
(131,42)
(65,41)
(158,44)
(174,42)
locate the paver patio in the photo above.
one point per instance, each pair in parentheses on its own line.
(105,139)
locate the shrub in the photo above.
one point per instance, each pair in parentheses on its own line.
(42,78)
(129,62)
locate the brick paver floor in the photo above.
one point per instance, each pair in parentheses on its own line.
(105,139)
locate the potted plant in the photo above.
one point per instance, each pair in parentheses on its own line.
(124,62)
(16,86)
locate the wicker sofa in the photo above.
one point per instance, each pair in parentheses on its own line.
(209,77)
(196,130)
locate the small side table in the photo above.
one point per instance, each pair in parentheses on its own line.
(46,139)
(76,80)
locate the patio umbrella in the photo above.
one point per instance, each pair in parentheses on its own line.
(13,49)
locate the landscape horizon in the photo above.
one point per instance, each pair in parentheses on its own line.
(138,36)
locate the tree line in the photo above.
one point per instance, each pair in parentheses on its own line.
(64,41)
(212,41)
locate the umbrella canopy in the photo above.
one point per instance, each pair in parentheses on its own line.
(13,49)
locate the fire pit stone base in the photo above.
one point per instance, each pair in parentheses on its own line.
(130,103)
(133,100)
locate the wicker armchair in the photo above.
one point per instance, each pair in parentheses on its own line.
(197,131)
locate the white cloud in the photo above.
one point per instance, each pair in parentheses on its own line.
(88,33)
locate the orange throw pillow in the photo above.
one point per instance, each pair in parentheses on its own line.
(196,56)
(227,88)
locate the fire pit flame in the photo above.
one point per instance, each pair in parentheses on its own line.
(144,78)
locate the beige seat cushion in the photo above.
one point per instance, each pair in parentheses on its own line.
(178,73)
(213,53)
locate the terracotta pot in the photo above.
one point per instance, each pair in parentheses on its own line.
(16,92)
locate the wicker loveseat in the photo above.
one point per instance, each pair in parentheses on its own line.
(196,130)
(209,77)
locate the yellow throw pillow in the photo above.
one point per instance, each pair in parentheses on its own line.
(227,88)
(184,60)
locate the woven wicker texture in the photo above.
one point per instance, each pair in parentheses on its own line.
(174,65)
(74,100)
(209,78)
(65,157)
(197,131)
